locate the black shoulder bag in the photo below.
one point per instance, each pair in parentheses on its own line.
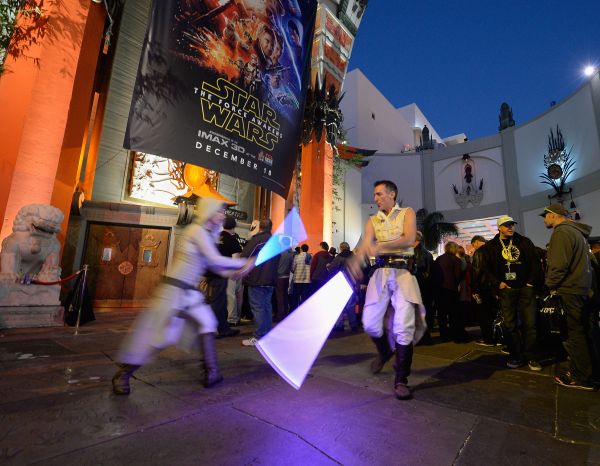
(552,316)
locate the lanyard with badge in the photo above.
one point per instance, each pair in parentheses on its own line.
(511,254)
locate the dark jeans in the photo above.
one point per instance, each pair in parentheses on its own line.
(427,298)
(300,294)
(216,296)
(262,308)
(486,313)
(283,302)
(518,305)
(448,314)
(315,285)
(578,329)
(350,313)
(593,309)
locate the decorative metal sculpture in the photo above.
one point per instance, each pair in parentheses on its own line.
(505,117)
(559,165)
(471,191)
(427,142)
(322,112)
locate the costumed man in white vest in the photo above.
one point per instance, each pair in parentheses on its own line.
(178,312)
(388,237)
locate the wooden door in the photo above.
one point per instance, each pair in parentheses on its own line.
(125,263)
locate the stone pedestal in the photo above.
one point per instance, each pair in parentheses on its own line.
(31,316)
(23,306)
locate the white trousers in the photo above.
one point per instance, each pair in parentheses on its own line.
(400,288)
(175,316)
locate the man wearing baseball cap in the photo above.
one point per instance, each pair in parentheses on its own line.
(595,246)
(512,267)
(569,274)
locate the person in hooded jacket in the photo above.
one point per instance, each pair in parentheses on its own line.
(178,312)
(511,269)
(569,274)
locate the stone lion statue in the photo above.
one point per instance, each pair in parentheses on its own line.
(32,248)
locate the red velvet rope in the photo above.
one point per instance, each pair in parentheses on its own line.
(66,279)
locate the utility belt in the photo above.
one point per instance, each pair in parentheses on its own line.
(178,283)
(396,262)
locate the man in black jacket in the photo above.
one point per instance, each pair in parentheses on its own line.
(482,293)
(569,275)
(216,293)
(261,282)
(448,312)
(426,277)
(511,269)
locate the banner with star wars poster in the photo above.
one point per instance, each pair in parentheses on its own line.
(222,83)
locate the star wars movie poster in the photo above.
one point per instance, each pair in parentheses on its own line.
(221,84)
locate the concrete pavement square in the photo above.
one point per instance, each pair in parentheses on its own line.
(56,407)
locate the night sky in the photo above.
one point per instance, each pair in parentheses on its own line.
(459,60)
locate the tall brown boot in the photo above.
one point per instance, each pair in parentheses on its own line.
(384,353)
(404,355)
(120,380)
(212,376)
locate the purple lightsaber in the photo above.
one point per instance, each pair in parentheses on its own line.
(293,345)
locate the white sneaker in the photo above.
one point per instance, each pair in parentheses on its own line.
(534,366)
(250,341)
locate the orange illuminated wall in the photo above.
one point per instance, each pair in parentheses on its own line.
(316,198)
(45,100)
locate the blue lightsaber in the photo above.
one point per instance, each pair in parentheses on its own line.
(289,234)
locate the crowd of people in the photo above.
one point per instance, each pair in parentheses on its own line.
(504,286)
(401,292)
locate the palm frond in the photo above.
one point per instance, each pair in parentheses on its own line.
(434,228)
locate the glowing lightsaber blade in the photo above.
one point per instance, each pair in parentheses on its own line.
(293,345)
(290,233)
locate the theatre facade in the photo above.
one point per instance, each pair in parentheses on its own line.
(64,105)
(515,171)
(65,98)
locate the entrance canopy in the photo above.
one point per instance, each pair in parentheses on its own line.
(485,227)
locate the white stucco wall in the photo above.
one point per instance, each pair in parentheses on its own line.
(387,132)
(587,205)
(575,117)
(404,170)
(348,220)
(416,118)
(488,165)
(517,152)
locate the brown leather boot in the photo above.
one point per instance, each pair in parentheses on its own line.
(212,376)
(404,354)
(120,380)
(384,353)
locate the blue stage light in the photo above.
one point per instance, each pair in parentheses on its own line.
(293,345)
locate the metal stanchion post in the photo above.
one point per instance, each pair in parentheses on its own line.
(81,296)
